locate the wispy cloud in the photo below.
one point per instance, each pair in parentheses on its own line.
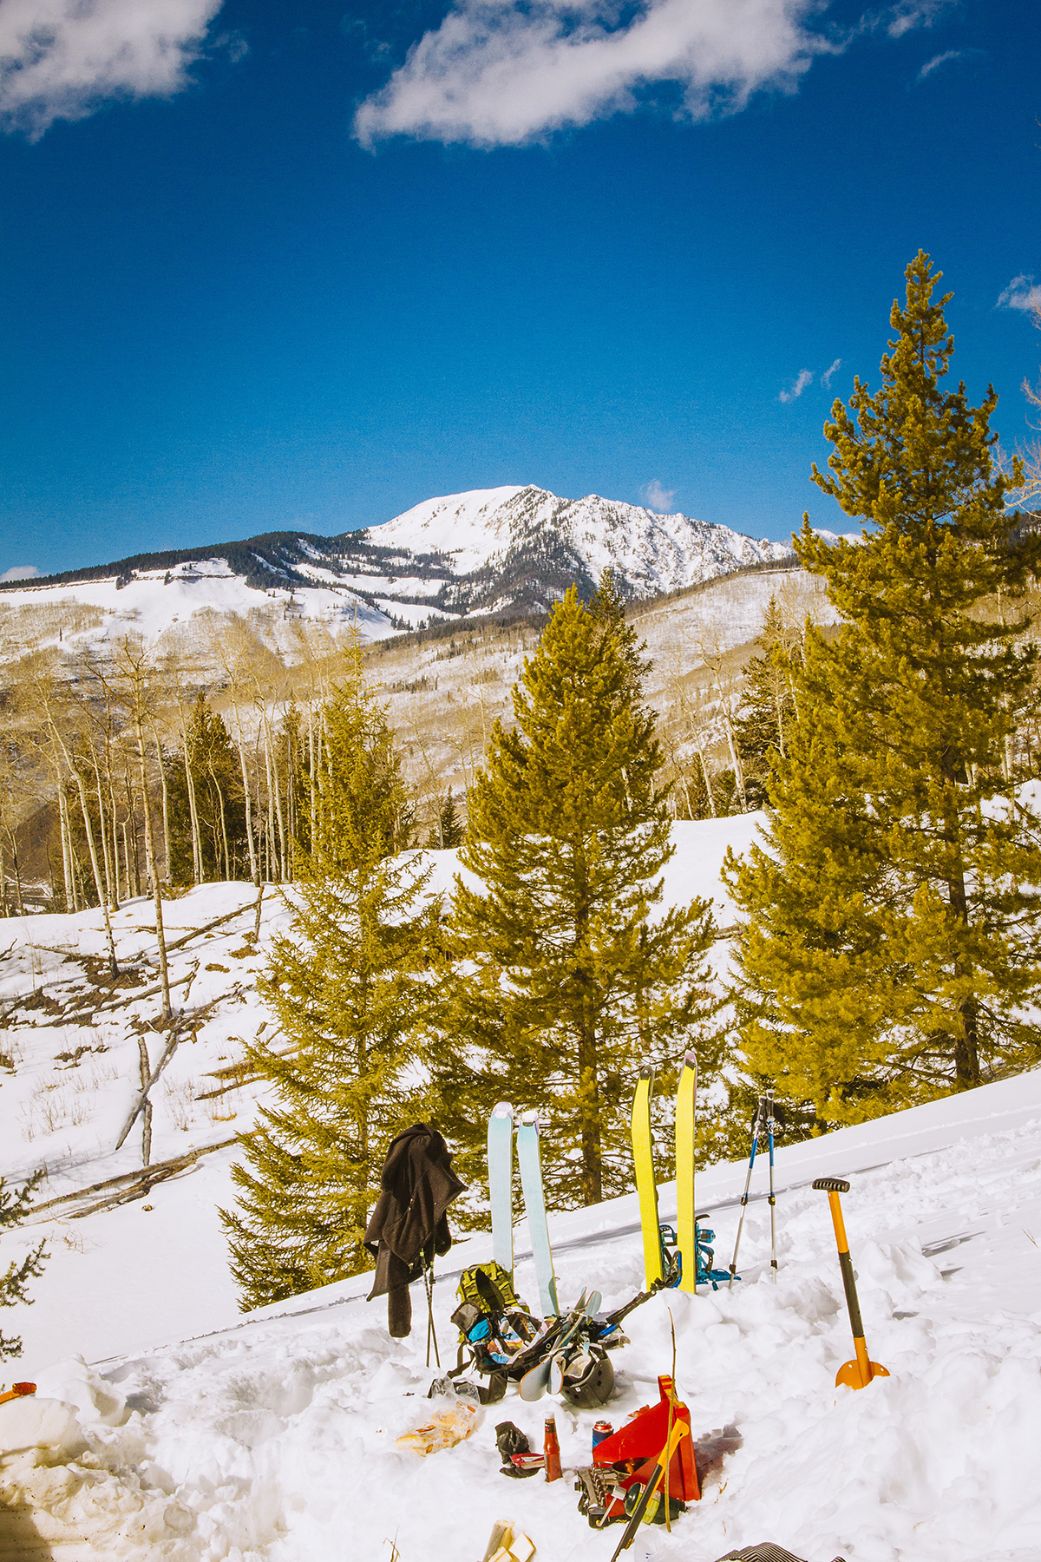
(948,57)
(657,495)
(59,59)
(500,72)
(798,385)
(830,372)
(1022,293)
(907,15)
(20,572)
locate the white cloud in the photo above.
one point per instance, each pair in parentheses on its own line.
(20,572)
(500,72)
(795,390)
(657,495)
(906,15)
(60,58)
(938,60)
(829,373)
(1022,293)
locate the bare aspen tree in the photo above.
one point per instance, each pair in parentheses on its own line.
(136,685)
(58,715)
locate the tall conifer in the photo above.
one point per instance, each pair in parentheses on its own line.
(568,974)
(349,984)
(768,705)
(891,934)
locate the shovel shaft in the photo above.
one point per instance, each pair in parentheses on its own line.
(863,1367)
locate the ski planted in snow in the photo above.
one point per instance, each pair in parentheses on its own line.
(500,1183)
(686,1225)
(646,1187)
(530,1163)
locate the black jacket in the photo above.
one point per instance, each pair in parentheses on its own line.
(409,1224)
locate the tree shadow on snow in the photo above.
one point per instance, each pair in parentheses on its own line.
(711,1450)
(20,1540)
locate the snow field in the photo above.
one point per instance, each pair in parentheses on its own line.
(271,1438)
(274,1439)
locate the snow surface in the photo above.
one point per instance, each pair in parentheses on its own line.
(155,604)
(271,1438)
(470,528)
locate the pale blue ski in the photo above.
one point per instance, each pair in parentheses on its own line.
(500,1183)
(535,1204)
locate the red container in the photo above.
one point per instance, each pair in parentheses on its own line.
(601,1429)
(551,1450)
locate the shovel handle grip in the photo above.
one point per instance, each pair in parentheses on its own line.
(831,1184)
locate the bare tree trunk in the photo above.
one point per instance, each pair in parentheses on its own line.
(66,850)
(225,851)
(100,888)
(707,780)
(111,890)
(95,864)
(193,807)
(153,872)
(251,845)
(165,794)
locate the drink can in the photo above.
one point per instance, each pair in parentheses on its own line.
(601,1431)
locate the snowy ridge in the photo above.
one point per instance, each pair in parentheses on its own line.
(492,550)
(650,553)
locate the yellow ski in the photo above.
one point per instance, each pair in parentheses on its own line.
(646,1187)
(686,1228)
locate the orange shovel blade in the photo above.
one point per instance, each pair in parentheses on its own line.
(852,1376)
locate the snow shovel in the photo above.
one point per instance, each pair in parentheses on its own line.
(857,1373)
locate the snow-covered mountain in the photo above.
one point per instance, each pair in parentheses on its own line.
(505,548)
(513,549)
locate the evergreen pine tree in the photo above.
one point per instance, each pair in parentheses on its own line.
(349,984)
(15,1279)
(891,934)
(768,706)
(565,981)
(217,782)
(448,827)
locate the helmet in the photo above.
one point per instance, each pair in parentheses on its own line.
(589,1378)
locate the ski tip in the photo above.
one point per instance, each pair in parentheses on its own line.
(646,1070)
(690,1058)
(502,1109)
(530,1118)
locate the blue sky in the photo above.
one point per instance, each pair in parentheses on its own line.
(285,264)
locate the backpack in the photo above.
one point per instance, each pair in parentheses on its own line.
(493,1323)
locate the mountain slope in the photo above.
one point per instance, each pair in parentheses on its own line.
(511,550)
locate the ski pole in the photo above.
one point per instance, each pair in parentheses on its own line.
(858,1373)
(771,1125)
(744,1196)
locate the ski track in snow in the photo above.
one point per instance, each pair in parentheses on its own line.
(270,1438)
